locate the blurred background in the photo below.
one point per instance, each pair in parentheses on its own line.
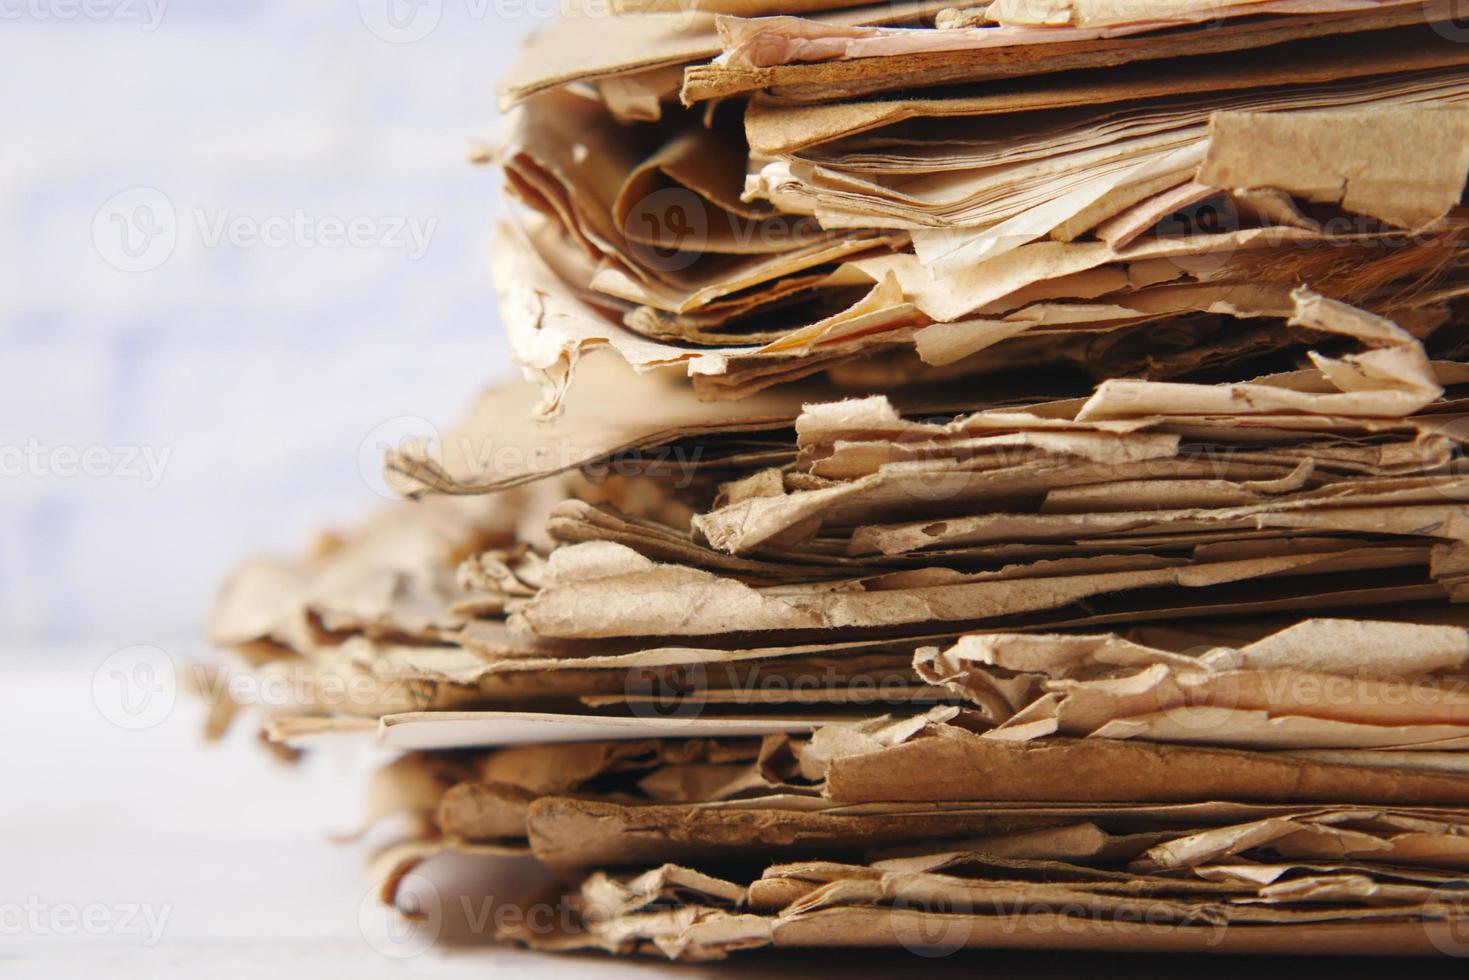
(239,239)
(241,245)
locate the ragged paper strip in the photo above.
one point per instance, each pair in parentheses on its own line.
(1323,684)
(1404,166)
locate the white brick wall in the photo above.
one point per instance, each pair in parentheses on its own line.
(258,369)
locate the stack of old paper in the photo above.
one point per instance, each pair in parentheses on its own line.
(1022,503)
(1113,188)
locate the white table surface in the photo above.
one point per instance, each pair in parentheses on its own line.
(228,847)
